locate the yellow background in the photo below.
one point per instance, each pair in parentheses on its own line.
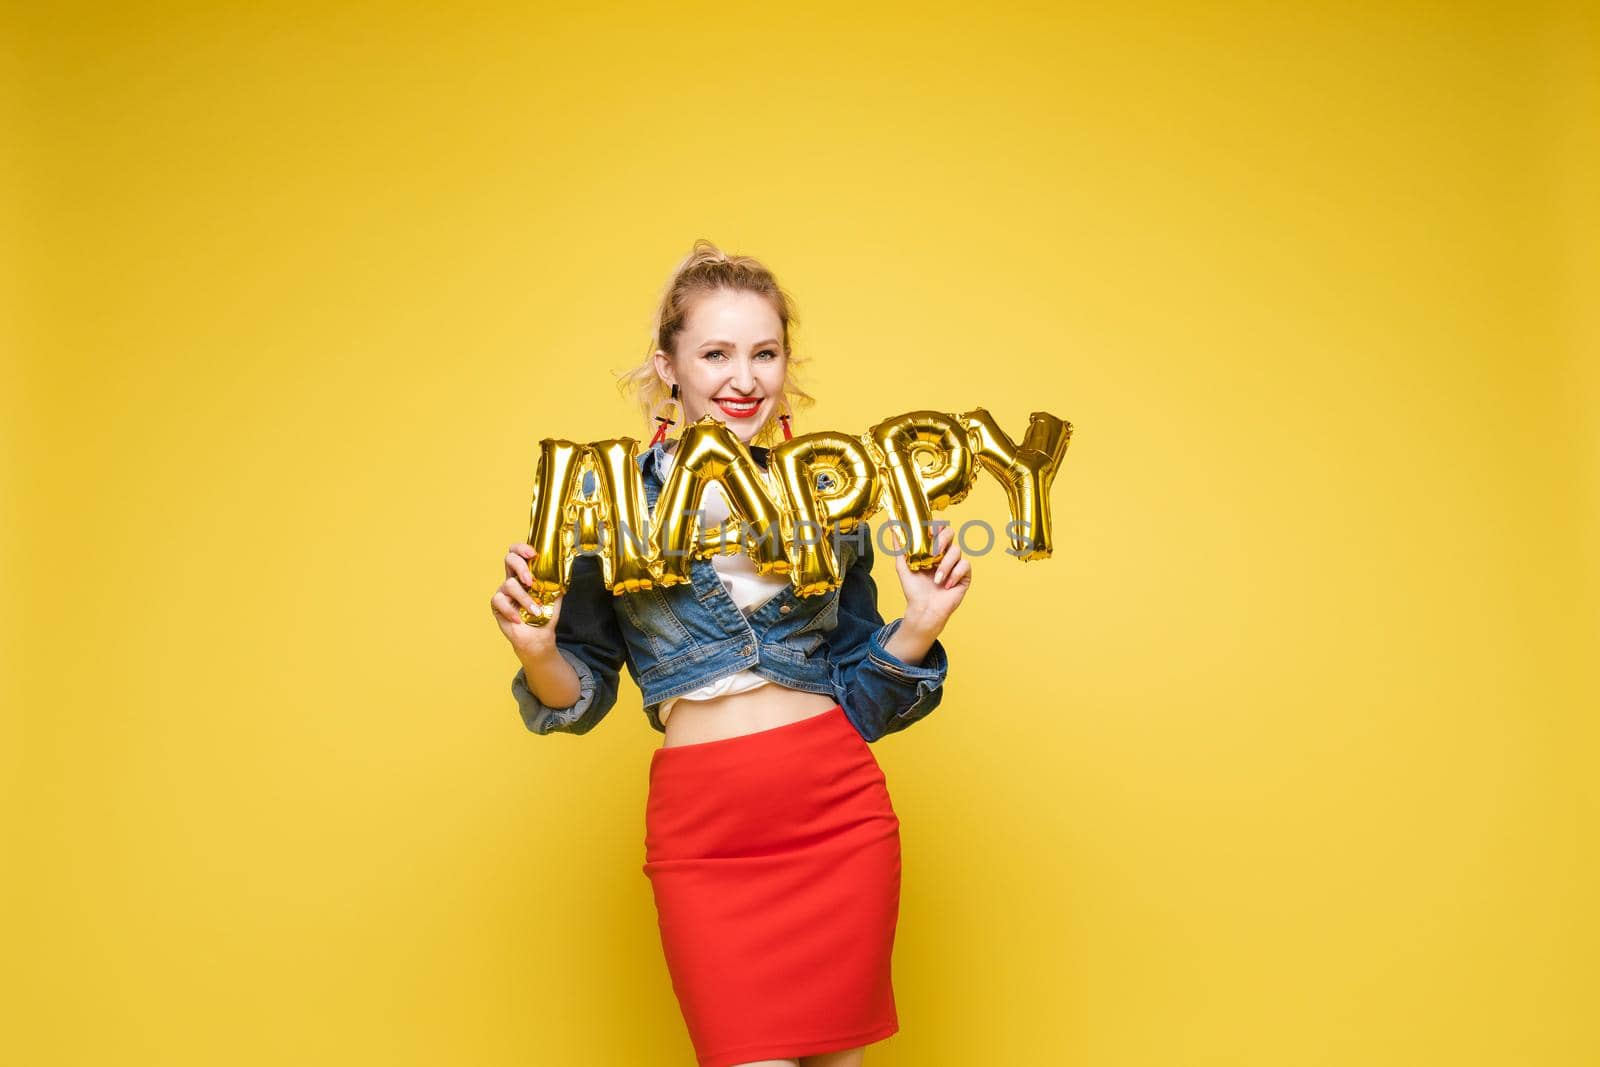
(1288,755)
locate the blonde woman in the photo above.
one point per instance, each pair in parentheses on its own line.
(771,843)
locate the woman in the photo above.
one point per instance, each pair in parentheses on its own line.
(772,847)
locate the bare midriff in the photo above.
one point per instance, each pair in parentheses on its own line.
(761,708)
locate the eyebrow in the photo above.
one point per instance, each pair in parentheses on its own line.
(730,344)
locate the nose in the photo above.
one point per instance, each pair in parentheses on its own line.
(744,379)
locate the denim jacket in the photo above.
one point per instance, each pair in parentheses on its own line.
(675,639)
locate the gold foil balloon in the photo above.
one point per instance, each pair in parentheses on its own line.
(627,558)
(914,492)
(914,464)
(549,531)
(1026,471)
(708,452)
(816,512)
(589,534)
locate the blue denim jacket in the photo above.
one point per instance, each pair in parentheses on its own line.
(676,639)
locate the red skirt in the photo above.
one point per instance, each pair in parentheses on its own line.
(774,858)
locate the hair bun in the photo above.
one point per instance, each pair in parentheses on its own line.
(706,251)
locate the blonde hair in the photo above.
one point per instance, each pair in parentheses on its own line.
(704,270)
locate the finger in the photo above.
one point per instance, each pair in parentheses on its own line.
(939,538)
(947,561)
(527,615)
(514,564)
(504,608)
(517,566)
(961,572)
(525,551)
(517,593)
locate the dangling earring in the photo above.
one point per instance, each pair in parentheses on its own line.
(661,431)
(788,434)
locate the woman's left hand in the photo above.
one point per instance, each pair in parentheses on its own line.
(933,595)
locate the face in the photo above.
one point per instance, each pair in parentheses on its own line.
(730,362)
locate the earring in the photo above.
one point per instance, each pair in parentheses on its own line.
(788,434)
(675,403)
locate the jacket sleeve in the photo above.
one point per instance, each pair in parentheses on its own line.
(879,693)
(589,637)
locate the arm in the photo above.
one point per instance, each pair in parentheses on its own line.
(913,641)
(589,639)
(886,676)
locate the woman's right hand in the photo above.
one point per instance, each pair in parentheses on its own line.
(513,595)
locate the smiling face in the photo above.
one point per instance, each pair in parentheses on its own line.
(730,361)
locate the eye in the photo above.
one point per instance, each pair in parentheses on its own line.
(714,352)
(768,352)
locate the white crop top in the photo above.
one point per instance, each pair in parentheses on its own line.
(748,589)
